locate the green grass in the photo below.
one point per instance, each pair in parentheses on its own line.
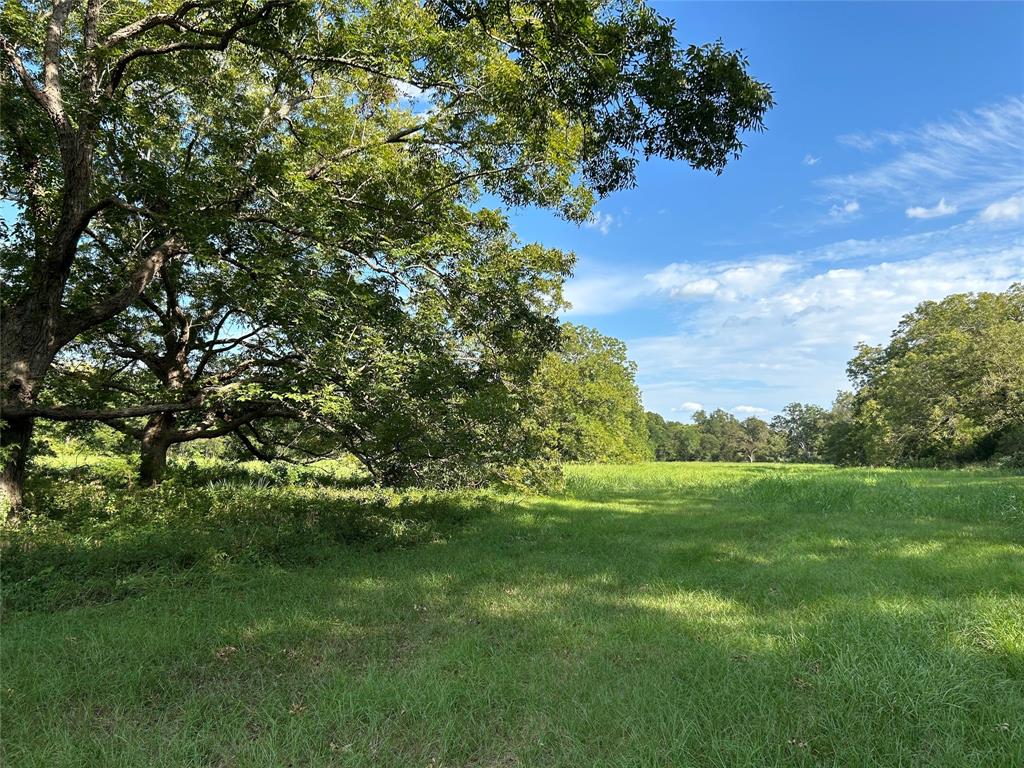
(683,615)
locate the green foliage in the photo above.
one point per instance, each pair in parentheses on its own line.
(588,402)
(438,391)
(804,429)
(671,440)
(90,537)
(718,436)
(723,437)
(305,175)
(948,388)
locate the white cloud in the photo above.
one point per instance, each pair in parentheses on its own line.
(750,410)
(602,222)
(1011,209)
(940,209)
(789,338)
(811,160)
(976,155)
(754,278)
(689,407)
(844,211)
(703,287)
(871,141)
(724,281)
(602,294)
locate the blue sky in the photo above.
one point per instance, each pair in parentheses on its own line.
(892,172)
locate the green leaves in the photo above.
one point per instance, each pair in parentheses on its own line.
(950,384)
(311,175)
(588,402)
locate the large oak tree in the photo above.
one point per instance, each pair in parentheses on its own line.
(253,134)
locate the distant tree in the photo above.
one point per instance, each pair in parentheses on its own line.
(757,441)
(589,402)
(721,436)
(658,432)
(841,443)
(804,428)
(685,441)
(948,387)
(718,436)
(671,440)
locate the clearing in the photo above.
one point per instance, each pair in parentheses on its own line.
(654,615)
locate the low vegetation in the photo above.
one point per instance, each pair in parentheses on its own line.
(687,614)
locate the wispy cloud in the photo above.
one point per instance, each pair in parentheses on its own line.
(810,159)
(688,407)
(729,281)
(942,208)
(847,210)
(600,221)
(869,142)
(751,279)
(976,155)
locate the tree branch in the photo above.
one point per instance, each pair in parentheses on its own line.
(98,414)
(51,60)
(148,268)
(224,39)
(136,28)
(54,112)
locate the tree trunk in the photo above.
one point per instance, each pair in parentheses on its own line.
(155,442)
(25,355)
(16,438)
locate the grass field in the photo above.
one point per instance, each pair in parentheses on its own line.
(660,615)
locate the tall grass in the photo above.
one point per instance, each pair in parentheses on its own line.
(684,614)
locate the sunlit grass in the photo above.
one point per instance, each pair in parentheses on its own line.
(687,614)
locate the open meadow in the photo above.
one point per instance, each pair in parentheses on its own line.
(669,614)
(511,384)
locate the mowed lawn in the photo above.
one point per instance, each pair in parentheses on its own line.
(659,615)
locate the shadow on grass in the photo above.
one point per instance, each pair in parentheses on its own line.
(769,623)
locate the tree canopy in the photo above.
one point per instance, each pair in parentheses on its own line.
(336,151)
(803,428)
(715,436)
(588,401)
(949,385)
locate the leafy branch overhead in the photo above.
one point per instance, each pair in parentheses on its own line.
(305,164)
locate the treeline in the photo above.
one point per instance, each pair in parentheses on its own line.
(947,389)
(955,365)
(802,433)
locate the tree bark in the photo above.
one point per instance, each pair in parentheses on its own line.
(24,359)
(16,438)
(153,455)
